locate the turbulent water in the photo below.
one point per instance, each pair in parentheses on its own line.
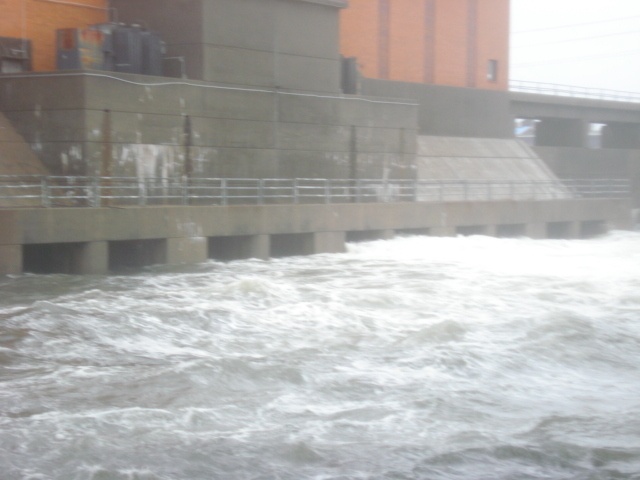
(416,358)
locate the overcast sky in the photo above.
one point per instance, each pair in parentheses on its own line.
(591,43)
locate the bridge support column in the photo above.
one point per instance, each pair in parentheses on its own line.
(186,250)
(10,259)
(562,132)
(329,242)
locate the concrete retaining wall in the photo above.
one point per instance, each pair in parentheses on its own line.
(126,125)
(99,240)
(451,111)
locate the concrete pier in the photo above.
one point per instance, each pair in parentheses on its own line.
(98,240)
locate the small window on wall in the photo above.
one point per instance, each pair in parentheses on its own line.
(492,70)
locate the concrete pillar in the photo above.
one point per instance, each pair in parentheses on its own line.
(10,259)
(186,250)
(562,132)
(93,258)
(259,247)
(536,230)
(329,242)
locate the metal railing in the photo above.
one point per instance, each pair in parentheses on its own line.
(56,191)
(573,91)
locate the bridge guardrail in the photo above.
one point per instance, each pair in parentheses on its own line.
(560,90)
(59,191)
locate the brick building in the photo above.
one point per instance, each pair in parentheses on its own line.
(33,24)
(461,43)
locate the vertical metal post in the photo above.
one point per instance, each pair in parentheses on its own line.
(185,190)
(261,191)
(95,201)
(44,192)
(327,191)
(223,191)
(142,191)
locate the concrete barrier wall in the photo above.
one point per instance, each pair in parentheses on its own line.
(99,240)
(451,111)
(127,125)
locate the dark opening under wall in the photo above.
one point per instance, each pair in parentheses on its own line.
(413,232)
(592,228)
(368,235)
(125,254)
(53,258)
(559,230)
(232,248)
(511,230)
(288,245)
(469,230)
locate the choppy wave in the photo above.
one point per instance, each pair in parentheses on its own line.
(416,358)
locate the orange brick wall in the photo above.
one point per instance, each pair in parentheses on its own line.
(445,42)
(38,20)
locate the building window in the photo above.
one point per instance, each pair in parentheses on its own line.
(492,70)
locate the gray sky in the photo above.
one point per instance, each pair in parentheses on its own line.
(590,43)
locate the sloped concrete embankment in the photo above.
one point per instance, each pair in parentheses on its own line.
(498,161)
(18,161)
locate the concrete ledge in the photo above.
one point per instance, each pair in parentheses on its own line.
(101,238)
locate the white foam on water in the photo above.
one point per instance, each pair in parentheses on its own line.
(438,358)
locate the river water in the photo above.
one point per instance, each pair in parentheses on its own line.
(415,358)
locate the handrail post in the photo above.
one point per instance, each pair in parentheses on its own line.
(327,191)
(261,191)
(45,192)
(95,200)
(223,192)
(185,190)
(142,191)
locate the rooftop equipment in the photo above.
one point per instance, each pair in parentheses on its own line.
(111,47)
(15,55)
